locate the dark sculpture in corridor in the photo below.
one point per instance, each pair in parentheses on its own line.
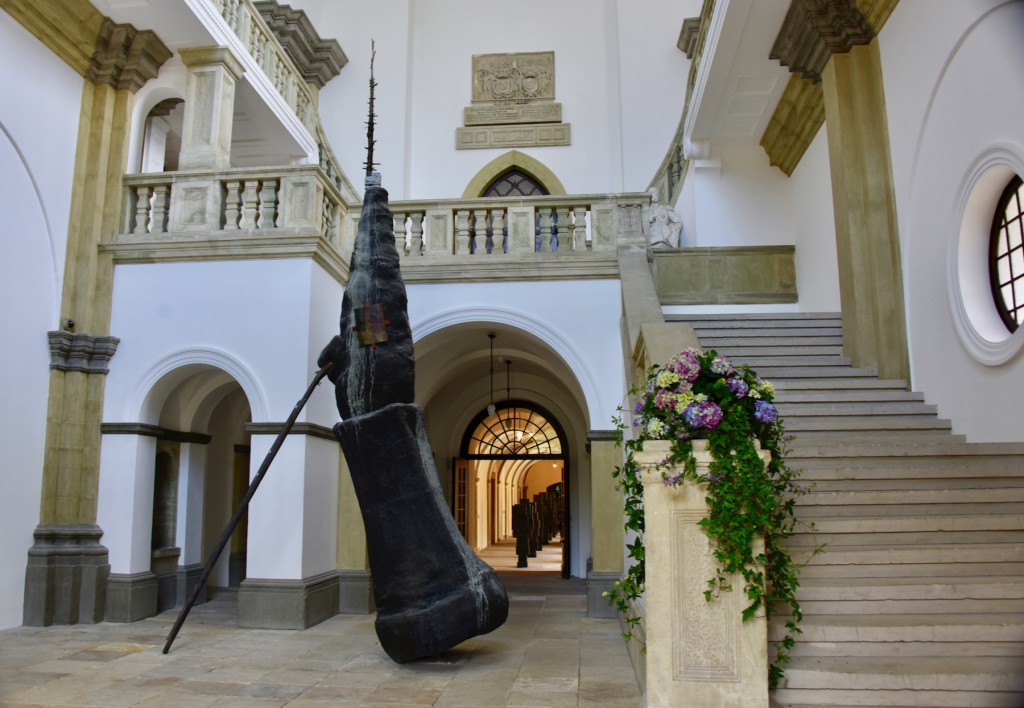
(431,590)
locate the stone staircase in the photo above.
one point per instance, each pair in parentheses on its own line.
(919,599)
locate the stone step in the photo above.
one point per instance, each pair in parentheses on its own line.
(744,339)
(906,570)
(742,354)
(895,482)
(941,588)
(917,449)
(793,396)
(882,526)
(912,555)
(826,372)
(913,498)
(788,409)
(879,422)
(788,361)
(766,330)
(837,383)
(870,438)
(757,316)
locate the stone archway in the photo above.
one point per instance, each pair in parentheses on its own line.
(513,160)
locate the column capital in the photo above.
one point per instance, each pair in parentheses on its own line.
(814,30)
(125,58)
(77,351)
(212,56)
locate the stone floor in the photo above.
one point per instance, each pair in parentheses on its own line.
(548,653)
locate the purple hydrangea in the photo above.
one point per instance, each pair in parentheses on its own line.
(686,365)
(765,412)
(704,414)
(738,387)
(720,365)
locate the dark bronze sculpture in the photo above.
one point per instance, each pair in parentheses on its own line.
(431,590)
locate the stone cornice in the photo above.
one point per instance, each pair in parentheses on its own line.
(67,27)
(126,58)
(688,36)
(70,351)
(814,30)
(794,124)
(318,60)
(154,431)
(311,429)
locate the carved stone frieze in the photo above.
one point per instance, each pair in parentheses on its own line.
(318,60)
(126,58)
(73,351)
(814,30)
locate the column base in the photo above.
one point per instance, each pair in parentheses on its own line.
(66,576)
(188,578)
(288,604)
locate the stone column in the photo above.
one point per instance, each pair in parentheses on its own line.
(66,575)
(606,534)
(870,275)
(834,44)
(209,107)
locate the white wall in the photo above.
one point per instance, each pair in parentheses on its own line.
(817,270)
(618,75)
(951,71)
(37,151)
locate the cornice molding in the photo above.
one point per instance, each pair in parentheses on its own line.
(814,30)
(69,28)
(318,60)
(311,429)
(70,351)
(126,58)
(154,431)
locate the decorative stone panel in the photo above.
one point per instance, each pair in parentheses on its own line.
(729,275)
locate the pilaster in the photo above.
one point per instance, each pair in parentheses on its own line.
(209,107)
(67,571)
(867,239)
(605,522)
(355,589)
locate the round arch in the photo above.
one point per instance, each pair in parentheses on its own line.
(513,159)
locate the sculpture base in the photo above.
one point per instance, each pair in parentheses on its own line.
(431,590)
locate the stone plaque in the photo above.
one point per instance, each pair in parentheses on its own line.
(513,103)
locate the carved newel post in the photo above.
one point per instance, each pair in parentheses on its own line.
(699,653)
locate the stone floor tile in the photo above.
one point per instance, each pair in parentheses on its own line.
(402,695)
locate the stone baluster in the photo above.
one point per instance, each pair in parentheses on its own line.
(564,229)
(545,229)
(482,240)
(462,232)
(142,209)
(161,204)
(579,228)
(400,233)
(416,233)
(256,44)
(268,204)
(331,211)
(498,230)
(232,205)
(250,204)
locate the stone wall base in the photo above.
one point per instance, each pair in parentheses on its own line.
(288,604)
(66,575)
(132,596)
(355,593)
(599,583)
(188,578)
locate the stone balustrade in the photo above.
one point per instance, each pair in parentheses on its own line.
(265,201)
(245,22)
(483,227)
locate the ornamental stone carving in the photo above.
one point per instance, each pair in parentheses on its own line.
(513,103)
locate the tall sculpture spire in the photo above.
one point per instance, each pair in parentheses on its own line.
(371,118)
(431,590)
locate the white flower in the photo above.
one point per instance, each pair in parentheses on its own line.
(656,429)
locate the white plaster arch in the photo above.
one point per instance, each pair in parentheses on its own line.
(572,358)
(156,383)
(975,316)
(169,83)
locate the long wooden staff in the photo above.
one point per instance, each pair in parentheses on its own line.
(243,506)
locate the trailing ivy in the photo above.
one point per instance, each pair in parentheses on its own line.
(700,395)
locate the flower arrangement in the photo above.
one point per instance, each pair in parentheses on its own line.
(700,395)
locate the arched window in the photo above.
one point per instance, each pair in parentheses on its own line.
(515,429)
(1006,259)
(514,183)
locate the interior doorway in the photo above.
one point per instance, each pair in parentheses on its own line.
(510,483)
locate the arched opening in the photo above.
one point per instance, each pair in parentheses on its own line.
(511,485)
(513,161)
(162,136)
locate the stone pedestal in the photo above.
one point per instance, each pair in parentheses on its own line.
(66,578)
(699,653)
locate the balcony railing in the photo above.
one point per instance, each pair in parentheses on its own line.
(262,202)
